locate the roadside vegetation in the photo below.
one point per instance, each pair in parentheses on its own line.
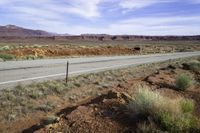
(172,115)
(37,50)
(194,66)
(183,82)
(7,56)
(165,110)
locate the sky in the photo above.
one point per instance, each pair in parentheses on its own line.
(135,17)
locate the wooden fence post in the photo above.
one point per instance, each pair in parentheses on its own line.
(67,72)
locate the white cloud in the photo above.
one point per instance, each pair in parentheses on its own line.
(54,16)
(82,8)
(158,26)
(195,1)
(49,15)
(146,26)
(135,4)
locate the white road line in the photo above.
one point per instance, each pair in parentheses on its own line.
(34,78)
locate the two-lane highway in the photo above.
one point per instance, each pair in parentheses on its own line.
(15,72)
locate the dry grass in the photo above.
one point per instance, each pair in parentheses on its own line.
(183,82)
(194,66)
(150,102)
(172,115)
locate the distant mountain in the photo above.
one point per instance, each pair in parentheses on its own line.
(12,30)
(12,33)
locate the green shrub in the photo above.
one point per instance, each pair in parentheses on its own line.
(177,124)
(56,87)
(30,57)
(35,94)
(6,47)
(150,102)
(145,101)
(47,107)
(166,121)
(172,115)
(7,56)
(187,106)
(183,82)
(194,66)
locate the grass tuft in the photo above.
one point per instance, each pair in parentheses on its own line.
(47,106)
(183,82)
(172,115)
(6,47)
(7,56)
(187,106)
(194,66)
(148,102)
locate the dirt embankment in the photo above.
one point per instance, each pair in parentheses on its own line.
(62,51)
(33,52)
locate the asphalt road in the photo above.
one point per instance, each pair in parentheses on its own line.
(25,72)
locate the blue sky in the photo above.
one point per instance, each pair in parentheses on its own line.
(138,17)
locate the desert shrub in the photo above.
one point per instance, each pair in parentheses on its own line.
(7,56)
(6,47)
(183,82)
(149,102)
(194,66)
(36,94)
(145,101)
(187,106)
(30,57)
(166,120)
(177,124)
(36,46)
(148,128)
(47,107)
(173,115)
(56,87)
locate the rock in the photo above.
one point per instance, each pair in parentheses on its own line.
(49,120)
(120,86)
(137,48)
(109,77)
(186,66)
(104,85)
(1,60)
(163,79)
(113,94)
(126,97)
(170,67)
(12,117)
(73,97)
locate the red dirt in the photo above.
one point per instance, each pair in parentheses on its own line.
(102,114)
(162,79)
(71,50)
(54,51)
(107,114)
